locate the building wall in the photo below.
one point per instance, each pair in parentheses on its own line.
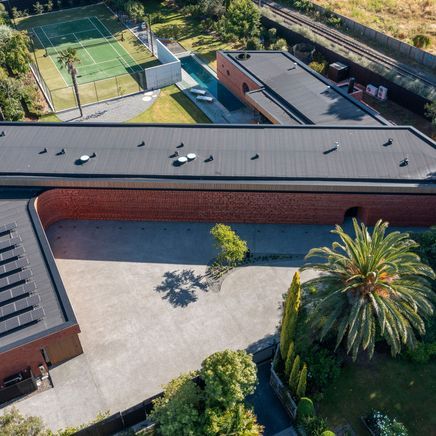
(233,78)
(29,355)
(232,206)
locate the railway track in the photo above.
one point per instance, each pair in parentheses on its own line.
(344,41)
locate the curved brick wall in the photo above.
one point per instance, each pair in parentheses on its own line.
(231,206)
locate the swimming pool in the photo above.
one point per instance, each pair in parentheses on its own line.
(208,81)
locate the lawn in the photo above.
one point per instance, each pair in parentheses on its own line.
(400,388)
(172,106)
(398,18)
(189,32)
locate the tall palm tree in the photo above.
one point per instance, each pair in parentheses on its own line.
(68,58)
(372,284)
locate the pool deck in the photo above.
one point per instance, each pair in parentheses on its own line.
(215,111)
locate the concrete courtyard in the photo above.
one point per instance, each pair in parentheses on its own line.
(146,313)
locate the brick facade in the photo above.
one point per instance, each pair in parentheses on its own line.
(234,78)
(233,206)
(30,355)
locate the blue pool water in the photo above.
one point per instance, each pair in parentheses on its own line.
(206,80)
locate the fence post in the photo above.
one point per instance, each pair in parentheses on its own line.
(96,92)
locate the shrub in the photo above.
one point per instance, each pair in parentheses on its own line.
(229,377)
(177,412)
(430,111)
(295,373)
(237,420)
(301,387)
(421,41)
(314,425)
(325,367)
(382,425)
(232,249)
(319,67)
(422,353)
(254,44)
(134,9)
(305,409)
(38,8)
(289,359)
(49,6)
(328,433)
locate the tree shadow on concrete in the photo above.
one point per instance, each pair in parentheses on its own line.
(180,287)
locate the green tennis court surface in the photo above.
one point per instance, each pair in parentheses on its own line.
(112,59)
(100,54)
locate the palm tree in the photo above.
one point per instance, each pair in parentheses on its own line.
(68,58)
(371,285)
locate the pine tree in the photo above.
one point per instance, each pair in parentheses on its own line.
(301,387)
(289,359)
(295,372)
(290,315)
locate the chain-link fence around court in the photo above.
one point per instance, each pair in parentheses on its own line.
(64,98)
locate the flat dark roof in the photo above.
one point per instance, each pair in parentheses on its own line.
(33,302)
(285,153)
(304,94)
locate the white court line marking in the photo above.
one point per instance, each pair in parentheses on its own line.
(115,40)
(65,22)
(66,84)
(84,48)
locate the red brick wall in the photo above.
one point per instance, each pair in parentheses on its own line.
(235,78)
(29,355)
(230,206)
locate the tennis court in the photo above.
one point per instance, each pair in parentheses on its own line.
(111,60)
(100,54)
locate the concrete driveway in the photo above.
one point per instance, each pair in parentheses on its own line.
(146,313)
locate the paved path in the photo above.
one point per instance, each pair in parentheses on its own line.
(116,111)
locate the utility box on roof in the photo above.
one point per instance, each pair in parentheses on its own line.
(338,72)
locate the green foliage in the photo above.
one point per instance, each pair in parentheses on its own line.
(427,240)
(325,367)
(305,409)
(254,44)
(171,31)
(229,377)
(237,420)
(319,67)
(240,22)
(272,35)
(289,359)
(383,425)
(232,249)
(135,10)
(430,111)
(280,44)
(38,8)
(314,425)
(206,9)
(177,412)
(14,50)
(13,423)
(422,353)
(49,6)
(372,284)
(302,381)
(290,315)
(421,41)
(295,373)
(327,433)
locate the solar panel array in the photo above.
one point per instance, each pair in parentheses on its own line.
(19,301)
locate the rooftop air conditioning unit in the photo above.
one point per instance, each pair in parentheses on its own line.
(382,93)
(371,90)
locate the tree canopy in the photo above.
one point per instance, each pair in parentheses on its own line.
(14,50)
(241,21)
(374,284)
(232,249)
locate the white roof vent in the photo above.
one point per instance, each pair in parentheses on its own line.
(182,159)
(84,158)
(191,156)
